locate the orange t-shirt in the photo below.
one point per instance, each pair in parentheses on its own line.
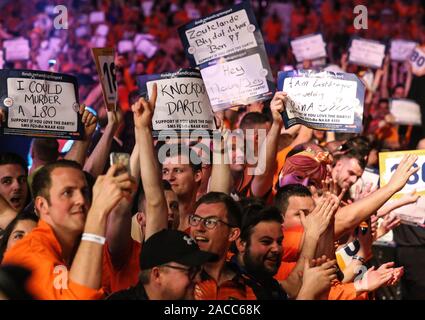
(292,245)
(280,159)
(234,289)
(41,253)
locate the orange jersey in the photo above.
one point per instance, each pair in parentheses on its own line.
(292,245)
(235,289)
(41,253)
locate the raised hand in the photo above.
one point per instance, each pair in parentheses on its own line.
(361,193)
(89,121)
(388,223)
(277,105)
(110,189)
(115,118)
(404,170)
(143,110)
(316,223)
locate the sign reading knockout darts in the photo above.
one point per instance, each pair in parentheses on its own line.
(40,104)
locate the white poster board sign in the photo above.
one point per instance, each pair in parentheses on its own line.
(182,102)
(125,46)
(243,77)
(223,36)
(16,49)
(322,100)
(97,17)
(401,49)
(406,112)
(39,103)
(309,47)
(367,53)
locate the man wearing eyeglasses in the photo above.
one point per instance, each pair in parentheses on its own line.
(169,262)
(214,226)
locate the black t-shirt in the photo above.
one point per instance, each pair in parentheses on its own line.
(133,293)
(266,289)
(409,236)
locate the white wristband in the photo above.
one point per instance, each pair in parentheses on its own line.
(93,238)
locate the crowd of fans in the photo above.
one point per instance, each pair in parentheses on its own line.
(74,227)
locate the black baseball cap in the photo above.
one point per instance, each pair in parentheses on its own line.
(172,245)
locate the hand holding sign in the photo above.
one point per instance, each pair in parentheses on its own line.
(115,118)
(89,121)
(143,110)
(277,105)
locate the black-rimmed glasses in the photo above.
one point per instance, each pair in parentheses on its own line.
(191,271)
(209,223)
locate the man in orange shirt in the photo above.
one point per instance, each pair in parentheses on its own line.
(64,252)
(215,225)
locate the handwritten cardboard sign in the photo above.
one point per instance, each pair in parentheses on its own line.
(145,43)
(367,53)
(220,34)
(388,163)
(16,49)
(228,45)
(406,112)
(322,100)
(40,104)
(401,49)
(182,101)
(105,65)
(245,81)
(309,47)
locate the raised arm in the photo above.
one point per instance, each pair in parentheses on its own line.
(79,148)
(118,232)
(349,217)
(156,205)
(385,76)
(221,176)
(108,191)
(96,162)
(264,172)
(314,225)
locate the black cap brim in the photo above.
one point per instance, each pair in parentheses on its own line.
(197,258)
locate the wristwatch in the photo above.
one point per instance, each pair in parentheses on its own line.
(361,259)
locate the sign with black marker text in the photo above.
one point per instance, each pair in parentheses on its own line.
(40,104)
(182,103)
(322,100)
(228,45)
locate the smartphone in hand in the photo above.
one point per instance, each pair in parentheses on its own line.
(122,159)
